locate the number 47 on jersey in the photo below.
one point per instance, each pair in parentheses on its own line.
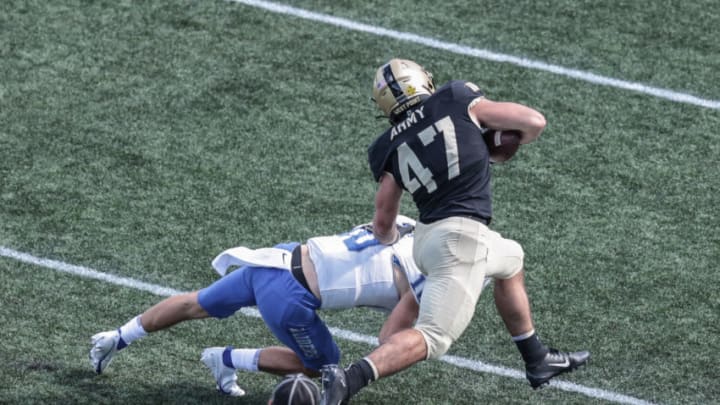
(408,160)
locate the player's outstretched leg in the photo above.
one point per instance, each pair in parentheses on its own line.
(553,364)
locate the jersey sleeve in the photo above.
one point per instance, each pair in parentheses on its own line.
(466,92)
(379,156)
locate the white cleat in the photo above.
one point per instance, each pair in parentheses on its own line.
(103,350)
(225,376)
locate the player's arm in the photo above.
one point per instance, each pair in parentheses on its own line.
(387,206)
(508,115)
(403,316)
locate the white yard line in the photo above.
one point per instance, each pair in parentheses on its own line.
(461,362)
(483,53)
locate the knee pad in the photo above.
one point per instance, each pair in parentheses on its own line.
(437,342)
(505,259)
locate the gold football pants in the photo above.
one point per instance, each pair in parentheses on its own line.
(456,254)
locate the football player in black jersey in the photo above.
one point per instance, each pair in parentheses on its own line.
(434,149)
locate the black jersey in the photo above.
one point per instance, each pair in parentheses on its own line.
(437,153)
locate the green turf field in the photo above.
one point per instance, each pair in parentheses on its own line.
(141,138)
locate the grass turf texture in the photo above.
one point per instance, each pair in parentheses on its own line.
(143,138)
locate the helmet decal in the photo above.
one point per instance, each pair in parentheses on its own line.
(393,84)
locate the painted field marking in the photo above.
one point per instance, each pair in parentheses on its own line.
(483,53)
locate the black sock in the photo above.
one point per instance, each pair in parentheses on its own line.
(532,349)
(359,375)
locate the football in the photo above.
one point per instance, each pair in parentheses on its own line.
(502,144)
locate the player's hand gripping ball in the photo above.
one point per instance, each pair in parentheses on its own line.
(502,144)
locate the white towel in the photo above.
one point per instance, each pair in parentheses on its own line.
(242,256)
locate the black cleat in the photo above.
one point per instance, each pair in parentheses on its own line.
(553,364)
(334,386)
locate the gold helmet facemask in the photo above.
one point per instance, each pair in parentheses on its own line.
(399,85)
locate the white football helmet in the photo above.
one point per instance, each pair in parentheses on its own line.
(400,84)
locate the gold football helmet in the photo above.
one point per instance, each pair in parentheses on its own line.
(400,84)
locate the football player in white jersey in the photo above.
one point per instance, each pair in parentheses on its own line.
(288,284)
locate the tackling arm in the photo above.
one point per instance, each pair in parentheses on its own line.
(387,206)
(403,316)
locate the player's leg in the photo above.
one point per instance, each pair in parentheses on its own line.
(222,299)
(541,362)
(164,314)
(453,256)
(505,264)
(513,305)
(171,311)
(289,311)
(281,360)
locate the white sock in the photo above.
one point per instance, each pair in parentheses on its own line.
(245,359)
(131,331)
